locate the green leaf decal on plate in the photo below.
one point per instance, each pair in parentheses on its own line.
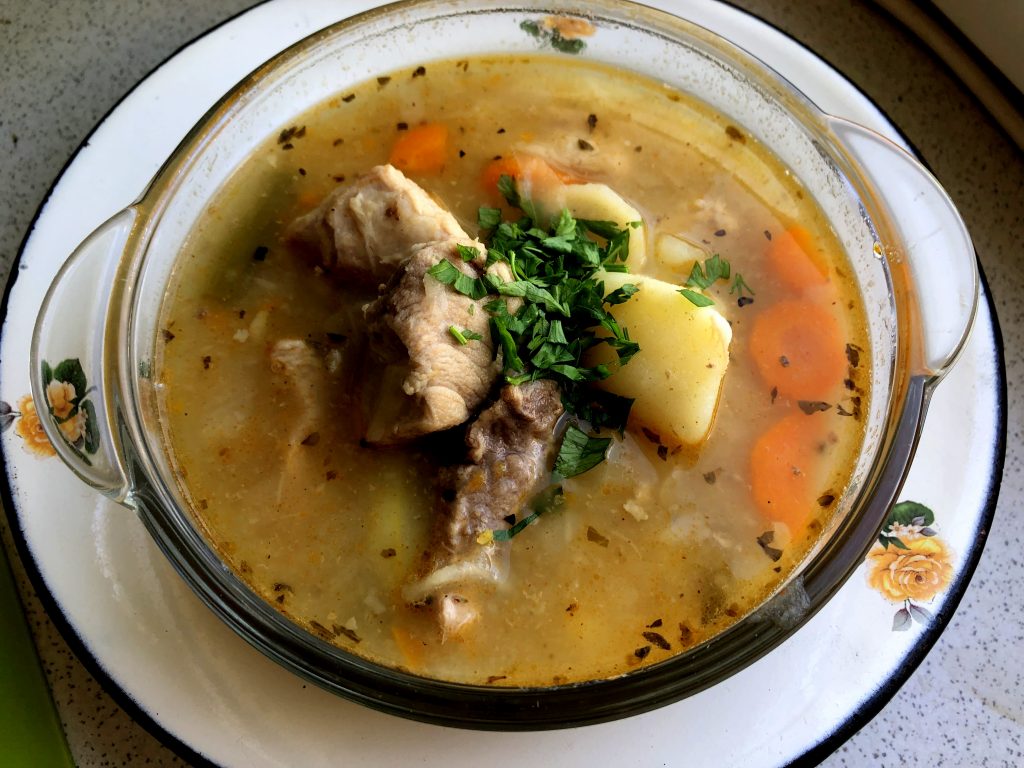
(71,371)
(92,432)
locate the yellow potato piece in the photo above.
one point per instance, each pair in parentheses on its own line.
(676,378)
(598,202)
(676,254)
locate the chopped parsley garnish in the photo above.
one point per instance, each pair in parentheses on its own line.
(556,275)
(488,218)
(547,501)
(715,268)
(446,272)
(553,311)
(697,299)
(467,252)
(580,452)
(740,285)
(464,336)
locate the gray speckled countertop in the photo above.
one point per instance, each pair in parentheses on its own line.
(65,63)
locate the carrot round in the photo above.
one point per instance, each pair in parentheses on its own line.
(794,257)
(528,167)
(798,348)
(421,149)
(782,469)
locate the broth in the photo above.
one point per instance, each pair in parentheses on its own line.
(654,550)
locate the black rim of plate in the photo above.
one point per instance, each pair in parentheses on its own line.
(814,753)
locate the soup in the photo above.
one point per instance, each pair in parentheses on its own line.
(292,435)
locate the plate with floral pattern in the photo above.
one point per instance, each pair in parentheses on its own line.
(216,700)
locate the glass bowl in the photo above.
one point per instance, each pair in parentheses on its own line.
(917,277)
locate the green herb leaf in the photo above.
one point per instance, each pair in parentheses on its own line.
(548,500)
(508,344)
(488,218)
(467,252)
(464,336)
(446,272)
(715,268)
(580,452)
(622,294)
(739,284)
(698,299)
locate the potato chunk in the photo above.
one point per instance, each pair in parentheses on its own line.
(676,378)
(596,202)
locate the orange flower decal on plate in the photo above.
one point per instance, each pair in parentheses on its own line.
(27,426)
(910,563)
(68,406)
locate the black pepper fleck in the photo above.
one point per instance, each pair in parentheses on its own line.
(656,639)
(735,134)
(813,406)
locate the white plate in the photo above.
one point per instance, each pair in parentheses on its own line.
(211,696)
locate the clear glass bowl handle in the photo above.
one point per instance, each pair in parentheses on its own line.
(71,385)
(938,250)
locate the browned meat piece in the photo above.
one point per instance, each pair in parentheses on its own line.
(365,230)
(430,381)
(511,450)
(511,447)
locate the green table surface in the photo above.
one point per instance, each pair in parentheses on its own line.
(30,733)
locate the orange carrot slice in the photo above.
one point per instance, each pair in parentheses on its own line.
(782,469)
(421,149)
(794,257)
(494,170)
(798,347)
(520,166)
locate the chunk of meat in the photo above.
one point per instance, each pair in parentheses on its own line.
(511,451)
(365,230)
(430,380)
(511,447)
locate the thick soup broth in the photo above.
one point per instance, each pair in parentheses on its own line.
(652,551)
